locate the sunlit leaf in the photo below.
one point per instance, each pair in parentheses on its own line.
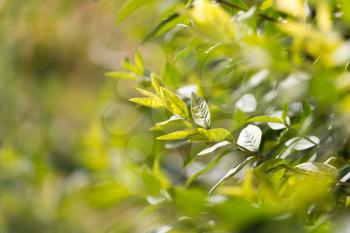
(317,168)
(278,125)
(178,135)
(258,78)
(214,148)
(156,83)
(200,111)
(148,102)
(345,178)
(174,103)
(265,119)
(147,93)
(212,135)
(266,4)
(212,20)
(299,143)
(247,103)
(250,138)
(138,60)
(186,91)
(121,75)
(159,174)
(129,7)
(173,120)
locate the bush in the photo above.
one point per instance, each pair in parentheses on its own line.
(254,96)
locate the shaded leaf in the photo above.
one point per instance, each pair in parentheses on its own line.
(200,111)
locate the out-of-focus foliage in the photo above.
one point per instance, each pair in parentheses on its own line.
(237,120)
(253,101)
(69,153)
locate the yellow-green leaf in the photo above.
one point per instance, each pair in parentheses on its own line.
(174,103)
(129,7)
(147,93)
(212,135)
(213,20)
(178,135)
(121,75)
(266,4)
(138,60)
(265,119)
(155,83)
(148,102)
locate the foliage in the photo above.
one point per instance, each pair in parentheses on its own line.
(255,93)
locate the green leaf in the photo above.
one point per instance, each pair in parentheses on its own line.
(318,169)
(147,93)
(148,102)
(178,135)
(200,111)
(212,135)
(156,83)
(138,60)
(126,64)
(121,75)
(233,171)
(165,25)
(173,119)
(174,103)
(159,174)
(171,75)
(266,4)
(264,119)
(183,53)
(129,7)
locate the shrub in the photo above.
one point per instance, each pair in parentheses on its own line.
(254,95)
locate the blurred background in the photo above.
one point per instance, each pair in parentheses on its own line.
(69,139)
